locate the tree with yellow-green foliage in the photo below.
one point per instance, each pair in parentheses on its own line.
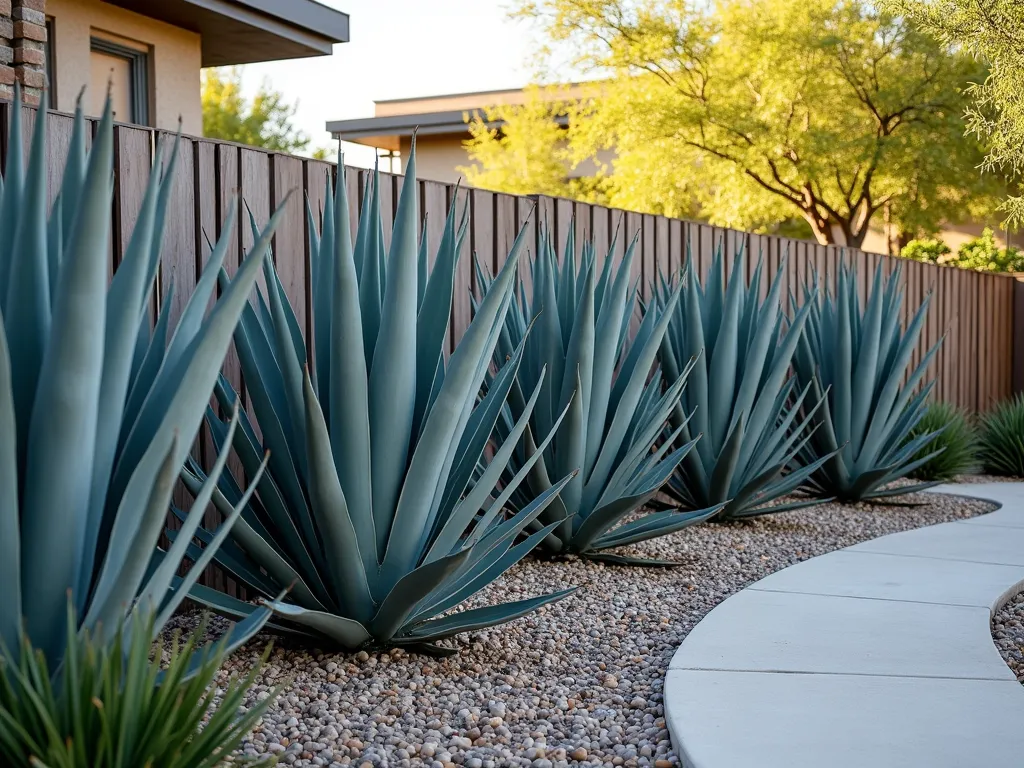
(753,112)
(521,149)
(992,30)
(264,121)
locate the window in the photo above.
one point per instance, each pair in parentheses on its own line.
(51,65)
(126,68)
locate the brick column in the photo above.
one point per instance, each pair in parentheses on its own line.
(6,51)
(29,47)
(23,48)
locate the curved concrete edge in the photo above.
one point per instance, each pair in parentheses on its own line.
(877,655)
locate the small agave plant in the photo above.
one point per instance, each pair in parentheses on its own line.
(854,362)
(739,392)
(97,411)
(575,328)
(369,510)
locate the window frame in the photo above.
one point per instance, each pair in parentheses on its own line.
(139,67)
(50,66)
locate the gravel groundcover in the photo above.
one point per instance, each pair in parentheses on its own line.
(577,683)
(1008,634)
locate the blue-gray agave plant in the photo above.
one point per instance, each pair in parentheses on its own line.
(855,361)
(615,412)
(368,510)
(97,412)
(739,395)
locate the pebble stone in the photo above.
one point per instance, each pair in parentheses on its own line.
(576,683)
(1008,634)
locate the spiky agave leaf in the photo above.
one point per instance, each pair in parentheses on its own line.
(614,411)
(855,361)
(740,394)
(97,411)
(368,509)
(110,705)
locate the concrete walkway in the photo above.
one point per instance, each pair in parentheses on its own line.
(875,656)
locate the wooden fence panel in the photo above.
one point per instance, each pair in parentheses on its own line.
(974,313)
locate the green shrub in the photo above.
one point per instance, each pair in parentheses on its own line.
(983,254)
(1002,438)
(110,706)
(955,436)
(929,250)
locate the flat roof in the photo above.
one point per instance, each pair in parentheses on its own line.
(443,114)
(387,132)
(250,31)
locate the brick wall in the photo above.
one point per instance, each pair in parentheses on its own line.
(23,48)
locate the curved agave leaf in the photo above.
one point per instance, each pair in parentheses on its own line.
(570,332)
(857,361)
(375,512)
(89,395)
(739,391)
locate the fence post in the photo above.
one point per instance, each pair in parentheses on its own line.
(1017,336)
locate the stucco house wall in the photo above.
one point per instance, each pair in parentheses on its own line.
(175,56)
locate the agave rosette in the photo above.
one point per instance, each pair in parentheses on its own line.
(573,336)
(97,410)
(854,361)
(369,510)
(740,395)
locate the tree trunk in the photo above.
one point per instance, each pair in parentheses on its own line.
(822,229)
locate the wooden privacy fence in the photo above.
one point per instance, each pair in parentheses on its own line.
(974,367)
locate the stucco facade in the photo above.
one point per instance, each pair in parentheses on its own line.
(175,58)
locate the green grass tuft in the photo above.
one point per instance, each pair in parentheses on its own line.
(113,704)
(958,442)
(1002,438)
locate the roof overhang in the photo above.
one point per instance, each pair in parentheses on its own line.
(249,31)
(387,132)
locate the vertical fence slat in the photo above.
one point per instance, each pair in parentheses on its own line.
(434,204)
(291,258)
(131,174)
(506,227)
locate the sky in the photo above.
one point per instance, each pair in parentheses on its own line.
(401,48)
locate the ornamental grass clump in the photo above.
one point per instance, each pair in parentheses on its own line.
(854,361)
(956,440)
(116,703)
(740,396)
(1001,438)
(369,510)
(98,410)
(595,390)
